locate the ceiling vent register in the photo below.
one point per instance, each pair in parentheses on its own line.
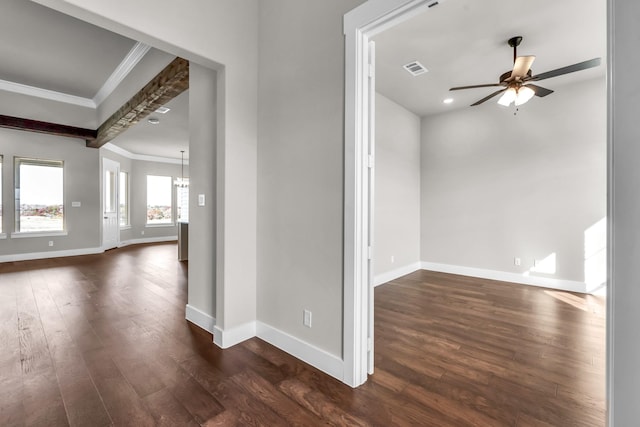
(415,68)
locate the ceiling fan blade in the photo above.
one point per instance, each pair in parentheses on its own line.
(568,69)
(539,90)
(475,86)
(486,98)
(521,66)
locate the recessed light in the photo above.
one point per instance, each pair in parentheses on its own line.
(153,120)
(448,101)
(163,110)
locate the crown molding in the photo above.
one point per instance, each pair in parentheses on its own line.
(129,155)
(51,95)
(137,52)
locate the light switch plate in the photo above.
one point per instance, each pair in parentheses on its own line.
(200,199)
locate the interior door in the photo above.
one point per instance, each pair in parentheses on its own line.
(110,220)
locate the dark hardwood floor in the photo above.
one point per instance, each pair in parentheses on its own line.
(101,340)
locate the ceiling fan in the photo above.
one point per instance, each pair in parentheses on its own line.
(516,84)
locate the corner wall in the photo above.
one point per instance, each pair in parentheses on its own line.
(497,185)
(397,191)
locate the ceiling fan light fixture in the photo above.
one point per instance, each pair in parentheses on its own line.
(524,94)
(508,97)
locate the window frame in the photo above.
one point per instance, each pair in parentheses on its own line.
(127,201)
(172,207)
(17,162)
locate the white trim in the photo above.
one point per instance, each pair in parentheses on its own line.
(137,52)
(129,155)
(200,318)
(505,276)
(53,254)
(51,95)
(229,337)
(398,272)
(29,234)
(359,24)
(161,225)
(314,356)
(148,240)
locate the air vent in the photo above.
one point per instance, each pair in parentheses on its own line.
(415,68)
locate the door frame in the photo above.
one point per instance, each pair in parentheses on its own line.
(360,25)
(116,165)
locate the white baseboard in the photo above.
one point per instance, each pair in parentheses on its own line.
(225,338)
(50,254)
(200,318)
(504,276)
(147,240)
(394,274)
(320,359)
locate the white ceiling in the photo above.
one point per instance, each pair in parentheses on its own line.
(45,49)
(464,42)
(461,42)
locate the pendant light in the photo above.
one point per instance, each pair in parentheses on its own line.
(181,182)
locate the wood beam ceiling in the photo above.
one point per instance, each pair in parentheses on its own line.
(166,85)
(48,128)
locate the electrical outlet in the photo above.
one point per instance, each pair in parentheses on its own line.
(516,261)
(142,232)
(50,242)
(393,259)
(307,319)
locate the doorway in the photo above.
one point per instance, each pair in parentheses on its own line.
(360,26)
(110,220)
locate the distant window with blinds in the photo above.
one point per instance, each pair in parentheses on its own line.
(182,197)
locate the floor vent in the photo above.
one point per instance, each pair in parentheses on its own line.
(415,68)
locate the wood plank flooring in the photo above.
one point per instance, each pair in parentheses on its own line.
(101,340)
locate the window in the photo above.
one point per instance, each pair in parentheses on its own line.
(159,200)
(182,200)
(39,195)
(124,199)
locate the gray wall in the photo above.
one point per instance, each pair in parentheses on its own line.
(497,186)
(300,168)
(81,183)
(203,164)
(397,187)
(624,296)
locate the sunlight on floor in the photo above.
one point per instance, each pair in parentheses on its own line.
(589,303)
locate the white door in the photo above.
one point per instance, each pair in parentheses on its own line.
(110,221)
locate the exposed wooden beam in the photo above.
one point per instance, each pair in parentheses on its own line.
(168,84)
(49,128)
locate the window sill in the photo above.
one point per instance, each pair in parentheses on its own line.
(125,227)
(160,225)
(24,235)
